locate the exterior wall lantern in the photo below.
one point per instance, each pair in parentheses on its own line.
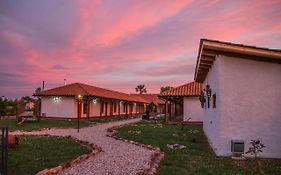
(95,101)
(57,99)
(79,99)
(202,98)
(209,94)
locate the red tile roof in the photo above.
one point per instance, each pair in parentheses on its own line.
(209,49)
(150,98)
(192,89)
(87,90)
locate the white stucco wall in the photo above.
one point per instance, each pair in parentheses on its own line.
(248,104)
(211,116)
(192,109)
(95,109)
(66,108)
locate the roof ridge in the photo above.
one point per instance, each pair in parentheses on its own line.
(239,44)
(178,87)
(103,88)
(79,84)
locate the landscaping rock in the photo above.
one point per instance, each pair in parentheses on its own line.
(13,141)
(176,146)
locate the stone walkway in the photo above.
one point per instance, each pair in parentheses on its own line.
(117,157)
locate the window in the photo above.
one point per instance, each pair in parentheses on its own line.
(124,107)
(85,107)
(102,106)
(237,146)
(114,107)
(214,100)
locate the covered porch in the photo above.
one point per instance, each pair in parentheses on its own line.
(181,103)
(174,109)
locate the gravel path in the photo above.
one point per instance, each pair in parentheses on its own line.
(117,157)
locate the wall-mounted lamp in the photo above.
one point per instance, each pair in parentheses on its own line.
(95,101)
(57,99)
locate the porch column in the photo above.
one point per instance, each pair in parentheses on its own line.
(101,107)
(176,110)
(88,109)
(110,108)
(166,110)
(170,110)
(126,108)
(118,107)
(106,108)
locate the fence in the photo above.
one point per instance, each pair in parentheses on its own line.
(4,150)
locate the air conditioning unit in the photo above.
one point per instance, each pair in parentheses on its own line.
(237,147)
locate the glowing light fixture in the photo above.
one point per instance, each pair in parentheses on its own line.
(57,99)
(95,100)
(121,102)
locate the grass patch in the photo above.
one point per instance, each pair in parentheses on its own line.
(112,118)
(44,123)
(197,158)
(37,153)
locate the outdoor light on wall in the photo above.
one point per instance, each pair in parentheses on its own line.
(57,99)
(95,101)
(202,98)
(79,98)
(209,94)
(121,102)
(135,104)
(209,91)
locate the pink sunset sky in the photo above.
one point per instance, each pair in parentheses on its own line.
(120,44)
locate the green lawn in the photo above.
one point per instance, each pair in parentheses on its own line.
(51,123)
(36,125)
(197,158)
(111,119)
(37,153)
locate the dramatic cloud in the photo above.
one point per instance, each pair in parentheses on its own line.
(119,44)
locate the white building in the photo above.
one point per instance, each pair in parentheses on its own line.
(85,101)
(245,101)
(182,103)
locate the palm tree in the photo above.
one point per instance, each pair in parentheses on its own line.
(141,88)
(165,88)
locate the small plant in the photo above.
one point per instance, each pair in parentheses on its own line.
(256,148)
(193,140)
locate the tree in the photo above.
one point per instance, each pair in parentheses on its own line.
(37,90)
(141,88)
(256,148)
(166,88)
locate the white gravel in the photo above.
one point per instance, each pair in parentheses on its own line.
(117,157)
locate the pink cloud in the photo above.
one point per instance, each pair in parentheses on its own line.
(120,45)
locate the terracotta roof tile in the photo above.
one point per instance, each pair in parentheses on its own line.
(186,90)
(150,98)
(87,90)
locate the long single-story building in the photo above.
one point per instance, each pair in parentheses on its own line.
(242,96)
(85,101)
(182,103)
(155,100)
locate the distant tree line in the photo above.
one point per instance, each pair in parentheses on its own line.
(166,88)
(7,106)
